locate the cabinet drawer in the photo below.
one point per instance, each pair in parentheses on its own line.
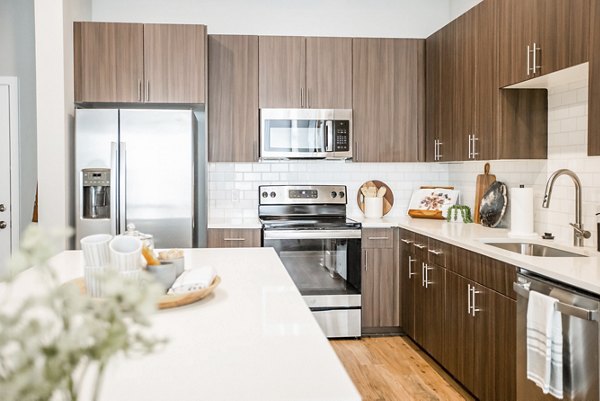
(233,238)
(377,238)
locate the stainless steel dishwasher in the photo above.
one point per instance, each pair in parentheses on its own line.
(581,367)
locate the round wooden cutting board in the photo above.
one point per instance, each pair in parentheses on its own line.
(388,198)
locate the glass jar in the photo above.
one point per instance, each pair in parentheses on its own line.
(147,239)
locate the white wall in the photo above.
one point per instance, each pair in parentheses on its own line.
(17,58)
(375,18)
(459,7)
(54,74)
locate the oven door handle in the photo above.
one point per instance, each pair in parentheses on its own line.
(311,234)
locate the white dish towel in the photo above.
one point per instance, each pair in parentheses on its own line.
(193,279)
(544,344)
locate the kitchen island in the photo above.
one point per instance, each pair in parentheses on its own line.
(254,338)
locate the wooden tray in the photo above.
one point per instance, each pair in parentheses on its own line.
(388,198)
(166,301)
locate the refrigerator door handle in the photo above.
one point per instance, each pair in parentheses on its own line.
(122,187)
(114,218)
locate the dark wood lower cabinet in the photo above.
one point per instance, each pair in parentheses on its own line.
(466,326)
(380,289)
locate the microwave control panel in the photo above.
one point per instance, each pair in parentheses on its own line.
(342,135)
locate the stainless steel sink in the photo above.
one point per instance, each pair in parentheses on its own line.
(529,249)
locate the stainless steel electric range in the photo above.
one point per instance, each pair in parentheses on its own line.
(319,247)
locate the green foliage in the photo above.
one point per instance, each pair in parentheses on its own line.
(464,210)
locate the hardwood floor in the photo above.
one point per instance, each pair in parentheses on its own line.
(394,368)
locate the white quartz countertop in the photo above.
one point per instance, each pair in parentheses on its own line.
(581,272)
(252,339)
(232,223)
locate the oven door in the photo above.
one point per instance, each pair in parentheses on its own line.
(324,264)
(295,133)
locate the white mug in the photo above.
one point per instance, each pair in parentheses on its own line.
(125,253)
(95,249)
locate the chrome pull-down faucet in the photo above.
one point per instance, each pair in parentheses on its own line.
(579,234)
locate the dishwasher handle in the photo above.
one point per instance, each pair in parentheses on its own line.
(565,309)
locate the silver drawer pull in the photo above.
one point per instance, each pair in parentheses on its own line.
(234,239)
(377,238)
(565,309)
(406,241)
(436,252)
(420,246)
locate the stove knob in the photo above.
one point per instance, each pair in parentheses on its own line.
(333,194)
(342,194)
(265,194)
(273,194)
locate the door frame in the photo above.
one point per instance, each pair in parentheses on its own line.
(15,174)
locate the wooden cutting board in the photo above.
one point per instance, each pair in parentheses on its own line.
(483,183)
(388,198)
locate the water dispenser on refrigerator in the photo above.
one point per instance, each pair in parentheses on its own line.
(95,193)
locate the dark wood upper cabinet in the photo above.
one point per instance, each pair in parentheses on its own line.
(139,63)
(538,37)
(233,98)
(388,100)
(282,71)
(108,61)
(329,73)
(594,84)
(174,63)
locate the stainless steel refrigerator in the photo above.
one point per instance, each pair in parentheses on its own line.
(136,166)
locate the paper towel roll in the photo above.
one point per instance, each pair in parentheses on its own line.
(521,215)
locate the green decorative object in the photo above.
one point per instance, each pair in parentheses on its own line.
(465,212)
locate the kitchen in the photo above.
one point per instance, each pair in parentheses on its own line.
(232,185)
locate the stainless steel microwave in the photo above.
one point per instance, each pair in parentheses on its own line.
(305,134)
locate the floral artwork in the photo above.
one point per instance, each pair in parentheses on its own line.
(436,201)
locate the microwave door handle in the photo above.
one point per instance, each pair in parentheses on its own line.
(329,136)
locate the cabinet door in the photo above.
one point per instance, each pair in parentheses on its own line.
(388,100)
(433,289)
(594,84)
(515,34)
(439,87)
(282,71)
(108,62)
(503,337)
(408,278)
(380,289)
(174,63)
(458,350)
(233,98)
(329,73)
(233,238)
(464,84)
(563,32)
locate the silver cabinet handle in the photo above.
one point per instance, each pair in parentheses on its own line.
(468,299)
(301,97)
(427,268)
(474,309)
(2,207)
(470,152)
(473,139)
(435,150)
(420,246)
(377,238)
(234,239)
(366,260)
(439,150)
(528,64)
(148,90)
(406,241)
(410,262)
(535,50)
(423,274)
(139,90)
(565,309)
(436,252)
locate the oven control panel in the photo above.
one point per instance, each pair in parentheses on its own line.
(301,194)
